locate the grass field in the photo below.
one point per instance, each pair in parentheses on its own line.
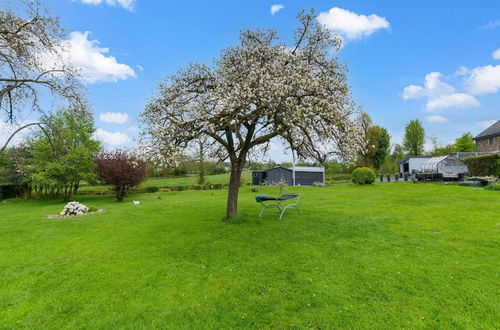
(191,179)
(380,256)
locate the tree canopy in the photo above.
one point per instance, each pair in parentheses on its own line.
(63,153)
(465,143)
(414,138)
(256,91)
(29,36)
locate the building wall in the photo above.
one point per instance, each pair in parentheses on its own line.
(482,145)
(257,177)
(308,178)
(274,176)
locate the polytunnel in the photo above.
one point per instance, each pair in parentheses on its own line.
(444,165)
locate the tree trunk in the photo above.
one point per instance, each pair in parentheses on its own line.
(120,193)
(201,178)
(76,185)
(232,195)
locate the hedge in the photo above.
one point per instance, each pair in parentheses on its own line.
(486,165)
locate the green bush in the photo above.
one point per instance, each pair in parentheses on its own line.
(179,171)
(152,189)
(493,187)
(9,191)
(363,175)
(217,170)
(180,188)
(483,165)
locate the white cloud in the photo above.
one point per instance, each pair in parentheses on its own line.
(127,4)
(111,138)
(435,119)
(133,128)
(351,25)
(496,54)
(483,80)
(433,87)
(455,100)
(91,60)
(486,123)
(276,8)
(491,24)
(439,94)
(113,117)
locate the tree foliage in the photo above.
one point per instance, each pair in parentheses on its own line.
(29,36)
(256,91)
(414,138)
(375,143)
(63,153)
(120,170)
(382,149)
(465,143)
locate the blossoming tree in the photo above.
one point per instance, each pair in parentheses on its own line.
(260,90)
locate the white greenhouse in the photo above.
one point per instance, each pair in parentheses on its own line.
(443,167)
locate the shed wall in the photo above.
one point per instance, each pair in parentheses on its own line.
(275,174)
(308,178)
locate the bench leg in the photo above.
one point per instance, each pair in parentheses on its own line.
(287,207)
(270,206)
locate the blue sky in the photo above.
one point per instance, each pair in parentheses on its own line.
(390,52)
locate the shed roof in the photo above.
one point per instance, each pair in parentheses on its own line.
(493,130)
(279,167)
(307,169)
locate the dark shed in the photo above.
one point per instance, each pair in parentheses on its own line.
(293,176)
(307,176)
(274,175)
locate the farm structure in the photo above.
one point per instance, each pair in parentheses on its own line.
(293,176)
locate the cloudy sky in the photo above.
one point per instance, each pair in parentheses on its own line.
(438,61)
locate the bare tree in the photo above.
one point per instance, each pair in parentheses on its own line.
(257,91)
(31,60)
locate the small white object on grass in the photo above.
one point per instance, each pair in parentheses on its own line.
(136,202)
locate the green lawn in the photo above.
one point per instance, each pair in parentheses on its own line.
(191,179)
(381,256)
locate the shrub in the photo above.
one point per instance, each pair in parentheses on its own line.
(217,170)
(9,191)
(179,171)
(483,165)
(493,187)
(152,189)
(363,175)
(180,188)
